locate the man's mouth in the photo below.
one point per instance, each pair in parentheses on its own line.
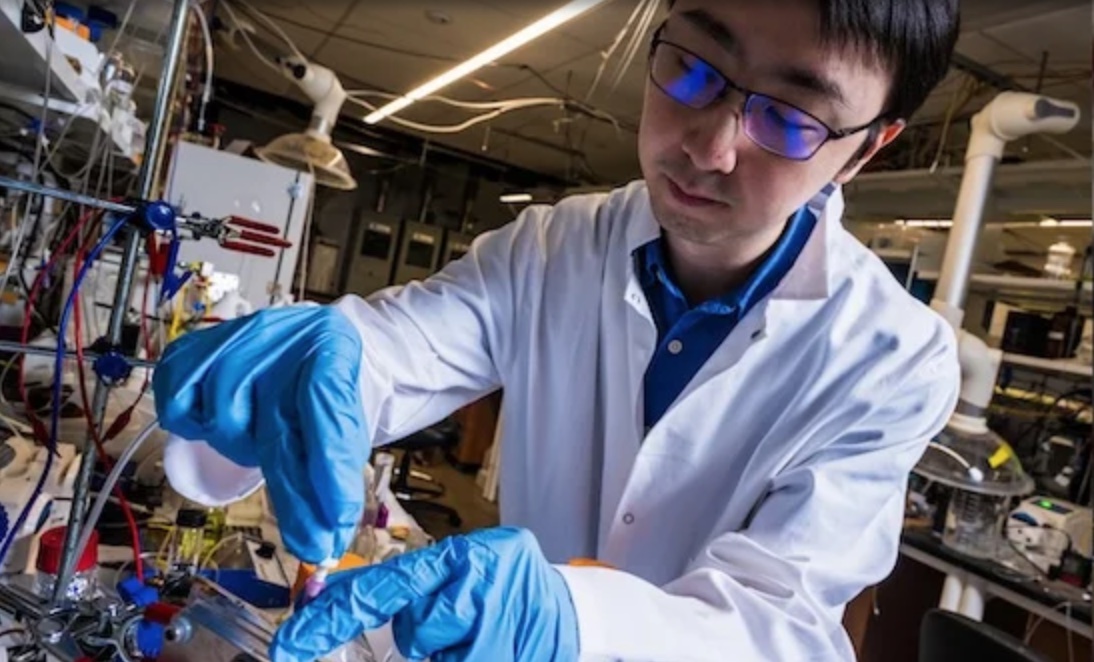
(689,197)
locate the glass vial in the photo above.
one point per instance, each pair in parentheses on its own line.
(189,539)
(84,582)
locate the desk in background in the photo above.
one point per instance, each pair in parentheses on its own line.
(887,625)
(1056,602)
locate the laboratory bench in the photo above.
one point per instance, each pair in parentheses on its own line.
(1055,616)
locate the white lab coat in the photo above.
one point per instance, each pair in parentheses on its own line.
(769,494)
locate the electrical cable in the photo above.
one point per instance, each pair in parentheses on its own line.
(207,37)
(58,367)
(108,485)
(636,41)
(93,429)
(262,57)
(38,144)
(306,236)
(611,50)
(273,27)
(505,105)
(451,128)
(121,30)
(40,432)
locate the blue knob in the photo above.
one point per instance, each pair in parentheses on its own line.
(158,216)
(112,367)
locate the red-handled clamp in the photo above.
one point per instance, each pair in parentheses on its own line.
(247,236)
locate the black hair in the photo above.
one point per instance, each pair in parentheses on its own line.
(912,39)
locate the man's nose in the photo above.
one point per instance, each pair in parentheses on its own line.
(713,141)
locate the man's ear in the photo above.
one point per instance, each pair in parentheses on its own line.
(881,138)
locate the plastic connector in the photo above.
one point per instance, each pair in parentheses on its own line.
(149,638)
(137,593)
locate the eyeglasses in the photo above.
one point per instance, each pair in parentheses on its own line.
(774,125)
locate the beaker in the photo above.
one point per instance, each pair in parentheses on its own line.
(974,523)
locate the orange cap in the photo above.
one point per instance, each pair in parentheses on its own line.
(588,563)
(306,570)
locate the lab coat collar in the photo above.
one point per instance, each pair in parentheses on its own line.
(809,278)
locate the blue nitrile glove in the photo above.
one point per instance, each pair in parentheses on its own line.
(279,390)
(489,596)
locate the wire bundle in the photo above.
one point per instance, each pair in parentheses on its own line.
(71,309)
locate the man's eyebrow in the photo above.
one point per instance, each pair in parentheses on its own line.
(804,79)
(714,28)
(811,81)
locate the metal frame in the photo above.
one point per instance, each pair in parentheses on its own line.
(155,143)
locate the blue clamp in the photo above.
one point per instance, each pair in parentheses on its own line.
(137,593)
(172,283)
(150,638)
(112,367)
(157,216)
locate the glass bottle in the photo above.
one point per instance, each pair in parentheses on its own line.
(84,582)
(189,539)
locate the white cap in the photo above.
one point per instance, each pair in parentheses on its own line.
(202,475)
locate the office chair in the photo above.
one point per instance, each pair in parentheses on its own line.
(420,496)
(946,636)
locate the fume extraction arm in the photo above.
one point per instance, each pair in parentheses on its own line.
(977,464)
(1008,117)
(312,151)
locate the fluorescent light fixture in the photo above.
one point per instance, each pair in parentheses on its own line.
(515,198)
(925,223)
(1066,223)
(549,22)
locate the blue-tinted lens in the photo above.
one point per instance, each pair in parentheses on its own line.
(783,129)
(686,78)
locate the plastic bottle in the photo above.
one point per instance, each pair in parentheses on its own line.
(1058,265)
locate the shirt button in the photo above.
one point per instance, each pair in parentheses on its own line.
(675,347)
(628,518)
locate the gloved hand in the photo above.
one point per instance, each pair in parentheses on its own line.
(487,596)
(279,390)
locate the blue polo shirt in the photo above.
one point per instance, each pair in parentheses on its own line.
(688,335)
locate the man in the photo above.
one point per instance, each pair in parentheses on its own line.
(710,387)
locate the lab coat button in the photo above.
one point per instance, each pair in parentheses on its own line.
(628,518)
(675,347)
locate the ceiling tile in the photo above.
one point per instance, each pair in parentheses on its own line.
(322,14)
(1065,35)
(472,26)
(393,45)
(983,14)
(597,27)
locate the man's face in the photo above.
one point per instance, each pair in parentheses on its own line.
(710,183)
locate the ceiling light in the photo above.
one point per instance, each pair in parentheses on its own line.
(515,198)
(549,22)
(926,223)
(1066,223)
